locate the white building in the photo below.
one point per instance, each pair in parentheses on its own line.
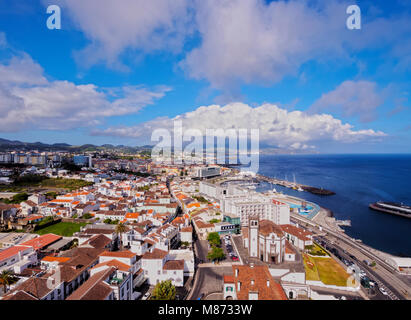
(157,267)
(263,206)
(264,240)
(17,258)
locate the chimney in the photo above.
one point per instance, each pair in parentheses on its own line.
(268,283)
(238,286)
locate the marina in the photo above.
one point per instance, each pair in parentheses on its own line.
(296,186)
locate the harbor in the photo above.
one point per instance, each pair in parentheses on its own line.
(296,186)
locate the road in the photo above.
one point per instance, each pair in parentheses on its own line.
(383,274)
(209,280)
(345,253)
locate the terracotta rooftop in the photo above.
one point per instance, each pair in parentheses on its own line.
(118,254)
(12,251)
(187,229)
(156,254)
(42,241)
(267,227)
(98,241)
(174,265)
(94,288)
(295,231)
(114,263)
(257,279)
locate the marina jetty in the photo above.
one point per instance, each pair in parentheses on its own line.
(296,186)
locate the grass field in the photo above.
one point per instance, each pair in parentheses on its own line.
(65,229)
(316,250)
(326,270)
(29,182)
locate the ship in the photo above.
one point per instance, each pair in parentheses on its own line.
(393,208)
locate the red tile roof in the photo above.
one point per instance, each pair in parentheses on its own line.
(174,265)
(297,232)
(42,241)
(12,251)
(257,279)
(118,254)
(156,254)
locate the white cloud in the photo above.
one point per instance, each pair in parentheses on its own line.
(278,127)
(29,100)
(114,26)
(249,41)
(352,98)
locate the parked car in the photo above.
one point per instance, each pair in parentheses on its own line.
(146,296)
(385,293)
(201,296)
(234,258)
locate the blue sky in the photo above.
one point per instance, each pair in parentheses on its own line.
(114,73)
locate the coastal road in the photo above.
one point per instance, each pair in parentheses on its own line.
(375,294)
(384,272)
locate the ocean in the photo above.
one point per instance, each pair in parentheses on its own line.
(357,180)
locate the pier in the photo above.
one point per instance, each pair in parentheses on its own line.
(296,186)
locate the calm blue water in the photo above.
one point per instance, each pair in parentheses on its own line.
(357,180)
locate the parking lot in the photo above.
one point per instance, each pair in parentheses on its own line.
(229,249)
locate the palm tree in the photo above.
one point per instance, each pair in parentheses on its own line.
(5,278)
(120,229)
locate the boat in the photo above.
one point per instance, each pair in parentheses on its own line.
(300,189)
(398,209)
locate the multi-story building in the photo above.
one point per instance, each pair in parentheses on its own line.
(264,207)
(158,267)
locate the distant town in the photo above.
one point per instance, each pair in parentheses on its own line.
(102,225)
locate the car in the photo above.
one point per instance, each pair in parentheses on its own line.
(234,258)
(146,296)
(372,283)
(385,293)
(201,296)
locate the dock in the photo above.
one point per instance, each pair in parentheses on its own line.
(296,186)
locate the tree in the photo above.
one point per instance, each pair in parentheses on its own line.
(164,290)
(214,238)
(5,279)
(216,254)
(120,229)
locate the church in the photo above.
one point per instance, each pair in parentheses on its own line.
(264,240)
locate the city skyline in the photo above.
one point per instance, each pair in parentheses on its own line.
(112,74)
